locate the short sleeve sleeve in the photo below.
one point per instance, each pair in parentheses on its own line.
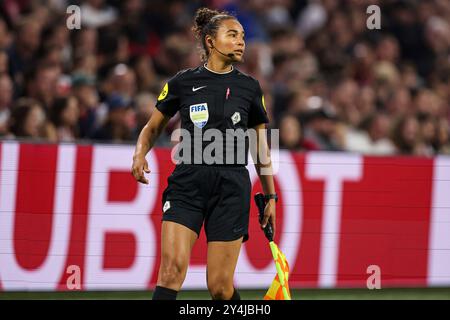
(168,100)
(258,113)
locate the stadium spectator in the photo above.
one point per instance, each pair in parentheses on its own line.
(322,131)
(41,84)
(65,115)
(117,127)
(443,136)
(406,136)
(5,35)
(25,45)
(83,87)
(97,13)
(372,137)
(290,133)
(28,120)
(6,98)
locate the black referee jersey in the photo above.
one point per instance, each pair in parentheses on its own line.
(230,103)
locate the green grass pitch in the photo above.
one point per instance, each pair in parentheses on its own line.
(297,294)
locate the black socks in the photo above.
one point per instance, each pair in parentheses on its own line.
(235,295)
(162,293)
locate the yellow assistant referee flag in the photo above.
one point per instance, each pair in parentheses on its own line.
(279,289)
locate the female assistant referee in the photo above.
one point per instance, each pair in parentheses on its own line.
(214,96)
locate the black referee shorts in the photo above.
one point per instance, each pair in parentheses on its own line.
(219,196)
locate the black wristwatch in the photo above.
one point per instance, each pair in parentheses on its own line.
(267,197)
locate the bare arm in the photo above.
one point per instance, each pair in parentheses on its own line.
(263,166)
(145,142)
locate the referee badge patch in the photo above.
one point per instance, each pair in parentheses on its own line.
(236,117)
(166,206)
(164,92)
(199,114)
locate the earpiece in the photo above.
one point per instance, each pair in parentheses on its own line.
(229,55)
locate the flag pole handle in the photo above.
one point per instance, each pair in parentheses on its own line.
(261,205)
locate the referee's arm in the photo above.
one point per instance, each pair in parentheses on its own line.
(145,142)
(264,170)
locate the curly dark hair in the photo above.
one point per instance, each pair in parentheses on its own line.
(207,22)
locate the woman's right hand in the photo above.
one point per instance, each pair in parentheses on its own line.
(138,168)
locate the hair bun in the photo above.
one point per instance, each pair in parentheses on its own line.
(203,16)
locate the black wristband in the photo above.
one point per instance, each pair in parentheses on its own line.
(267,197)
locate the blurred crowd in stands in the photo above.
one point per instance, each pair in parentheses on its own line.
(330,83)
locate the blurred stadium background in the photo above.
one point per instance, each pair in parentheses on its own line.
(330,84)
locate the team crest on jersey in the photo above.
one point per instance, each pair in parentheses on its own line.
(199,114)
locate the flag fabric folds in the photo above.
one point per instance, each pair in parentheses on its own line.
(279,289)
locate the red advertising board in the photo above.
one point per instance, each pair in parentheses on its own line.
(76,208)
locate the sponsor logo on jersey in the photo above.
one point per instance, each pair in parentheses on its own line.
(199,114)
(198,88)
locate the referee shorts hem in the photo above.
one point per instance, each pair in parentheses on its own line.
(243,236)
(183,223)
